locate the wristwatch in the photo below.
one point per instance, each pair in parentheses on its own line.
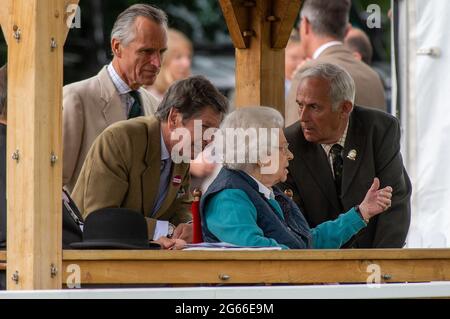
(366,220)
(170,230)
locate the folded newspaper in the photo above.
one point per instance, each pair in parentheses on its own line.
(225,246)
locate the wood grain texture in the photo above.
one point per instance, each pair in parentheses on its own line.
(287,12)
(5,18)
(258,267)
(35,76)
(236,17)
(288,267)
(260,57)
(356,254)
(259,68)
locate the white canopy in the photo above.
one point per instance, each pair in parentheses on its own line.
(423,71)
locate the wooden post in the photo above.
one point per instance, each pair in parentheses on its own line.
(260,30)
(35,31)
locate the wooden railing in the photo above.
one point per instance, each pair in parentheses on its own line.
(2,260)
(256,267)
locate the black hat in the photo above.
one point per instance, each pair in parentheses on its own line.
(115,228)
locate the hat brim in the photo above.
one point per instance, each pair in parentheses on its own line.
(112,245)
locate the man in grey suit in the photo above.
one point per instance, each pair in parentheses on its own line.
(138,41)
(323,27)
(338,150)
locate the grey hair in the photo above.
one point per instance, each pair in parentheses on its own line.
(342,86)
(327,17)
(124,30)
(245,119)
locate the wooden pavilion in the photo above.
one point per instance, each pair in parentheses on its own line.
(35,31)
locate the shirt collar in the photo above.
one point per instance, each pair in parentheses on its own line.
(263,189)
(325,46)
(341,141)
(164,152)
(120,84)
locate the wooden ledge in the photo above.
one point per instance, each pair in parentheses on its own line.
(128,267)
(258,267)
(257,255)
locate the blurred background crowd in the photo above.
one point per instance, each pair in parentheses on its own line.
(204,37)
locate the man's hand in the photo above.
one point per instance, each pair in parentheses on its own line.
(184,232)
(170,243)
(376,200)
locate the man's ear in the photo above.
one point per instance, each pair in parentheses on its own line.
(305,25)
(357,55)
(346,108)
(116,48)
(175,119)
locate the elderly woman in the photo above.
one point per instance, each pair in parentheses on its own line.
(243,207)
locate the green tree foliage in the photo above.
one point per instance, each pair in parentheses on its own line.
(88,48)
(200,20)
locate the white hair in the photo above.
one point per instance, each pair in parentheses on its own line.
(327,17)
(124,29)
(249,133)
(342,86)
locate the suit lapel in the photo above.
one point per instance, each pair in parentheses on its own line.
(356,144)
(317,163)
(150,176)
(113,111)
(112,104)
(312,157)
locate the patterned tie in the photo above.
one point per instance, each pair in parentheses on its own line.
(284,206)
(136,109)
(163,184)
(338,163)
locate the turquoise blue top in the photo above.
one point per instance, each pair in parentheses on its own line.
(231,217)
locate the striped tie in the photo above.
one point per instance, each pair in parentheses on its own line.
(338,164)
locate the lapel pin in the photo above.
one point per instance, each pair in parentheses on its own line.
(176,181)
(352,155)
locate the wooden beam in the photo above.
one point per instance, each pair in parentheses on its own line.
(260,60)
(236,17)
(5,16)
(257,267)
(2,260)
(285,13)
(35,76)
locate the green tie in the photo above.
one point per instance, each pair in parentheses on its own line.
(136,109)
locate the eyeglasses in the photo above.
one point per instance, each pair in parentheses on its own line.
(285,149)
